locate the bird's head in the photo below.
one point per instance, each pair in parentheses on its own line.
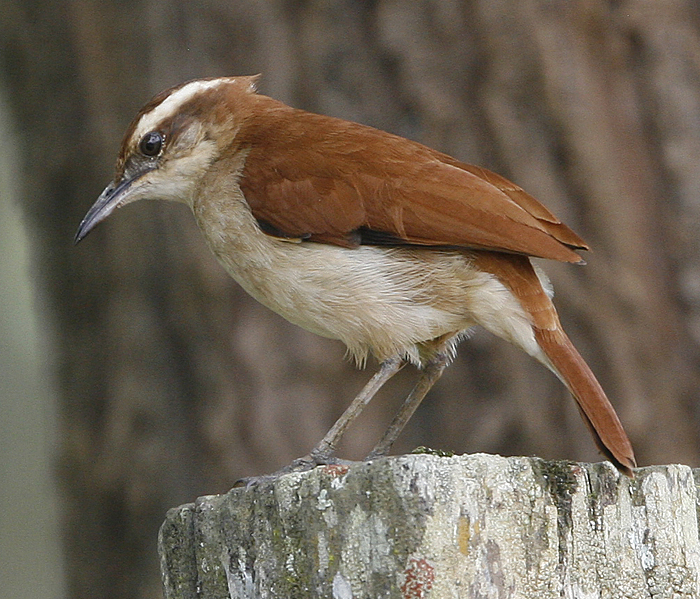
(171,143)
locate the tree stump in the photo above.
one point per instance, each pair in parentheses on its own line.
(420,526)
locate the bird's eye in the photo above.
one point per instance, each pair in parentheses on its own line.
(151,144)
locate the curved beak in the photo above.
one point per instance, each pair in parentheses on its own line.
(102,208)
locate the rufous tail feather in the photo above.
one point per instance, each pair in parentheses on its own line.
(596,409)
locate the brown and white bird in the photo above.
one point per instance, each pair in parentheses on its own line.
(359,235)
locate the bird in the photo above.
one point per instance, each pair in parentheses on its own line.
(395,249)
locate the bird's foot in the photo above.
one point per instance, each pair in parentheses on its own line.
(378,452)
(373,455)
(303,464)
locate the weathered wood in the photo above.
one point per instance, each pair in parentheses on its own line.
(423,526)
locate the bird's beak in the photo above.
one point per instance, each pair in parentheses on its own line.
(109,199)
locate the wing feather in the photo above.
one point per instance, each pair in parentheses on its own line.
(326,180)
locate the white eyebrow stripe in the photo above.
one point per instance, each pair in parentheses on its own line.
(170,106)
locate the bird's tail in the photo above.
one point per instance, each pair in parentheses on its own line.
(559,354)
(596,410)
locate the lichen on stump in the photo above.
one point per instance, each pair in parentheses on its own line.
(424,526)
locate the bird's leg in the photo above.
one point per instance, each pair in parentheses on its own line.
(430,374)
(325,450)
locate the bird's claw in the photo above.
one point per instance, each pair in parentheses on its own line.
(299,465)
(303,464)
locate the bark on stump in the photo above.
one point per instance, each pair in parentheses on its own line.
(421,526)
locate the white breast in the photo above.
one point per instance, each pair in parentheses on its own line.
(384,301)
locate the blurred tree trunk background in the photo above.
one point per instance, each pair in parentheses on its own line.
(174,383)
